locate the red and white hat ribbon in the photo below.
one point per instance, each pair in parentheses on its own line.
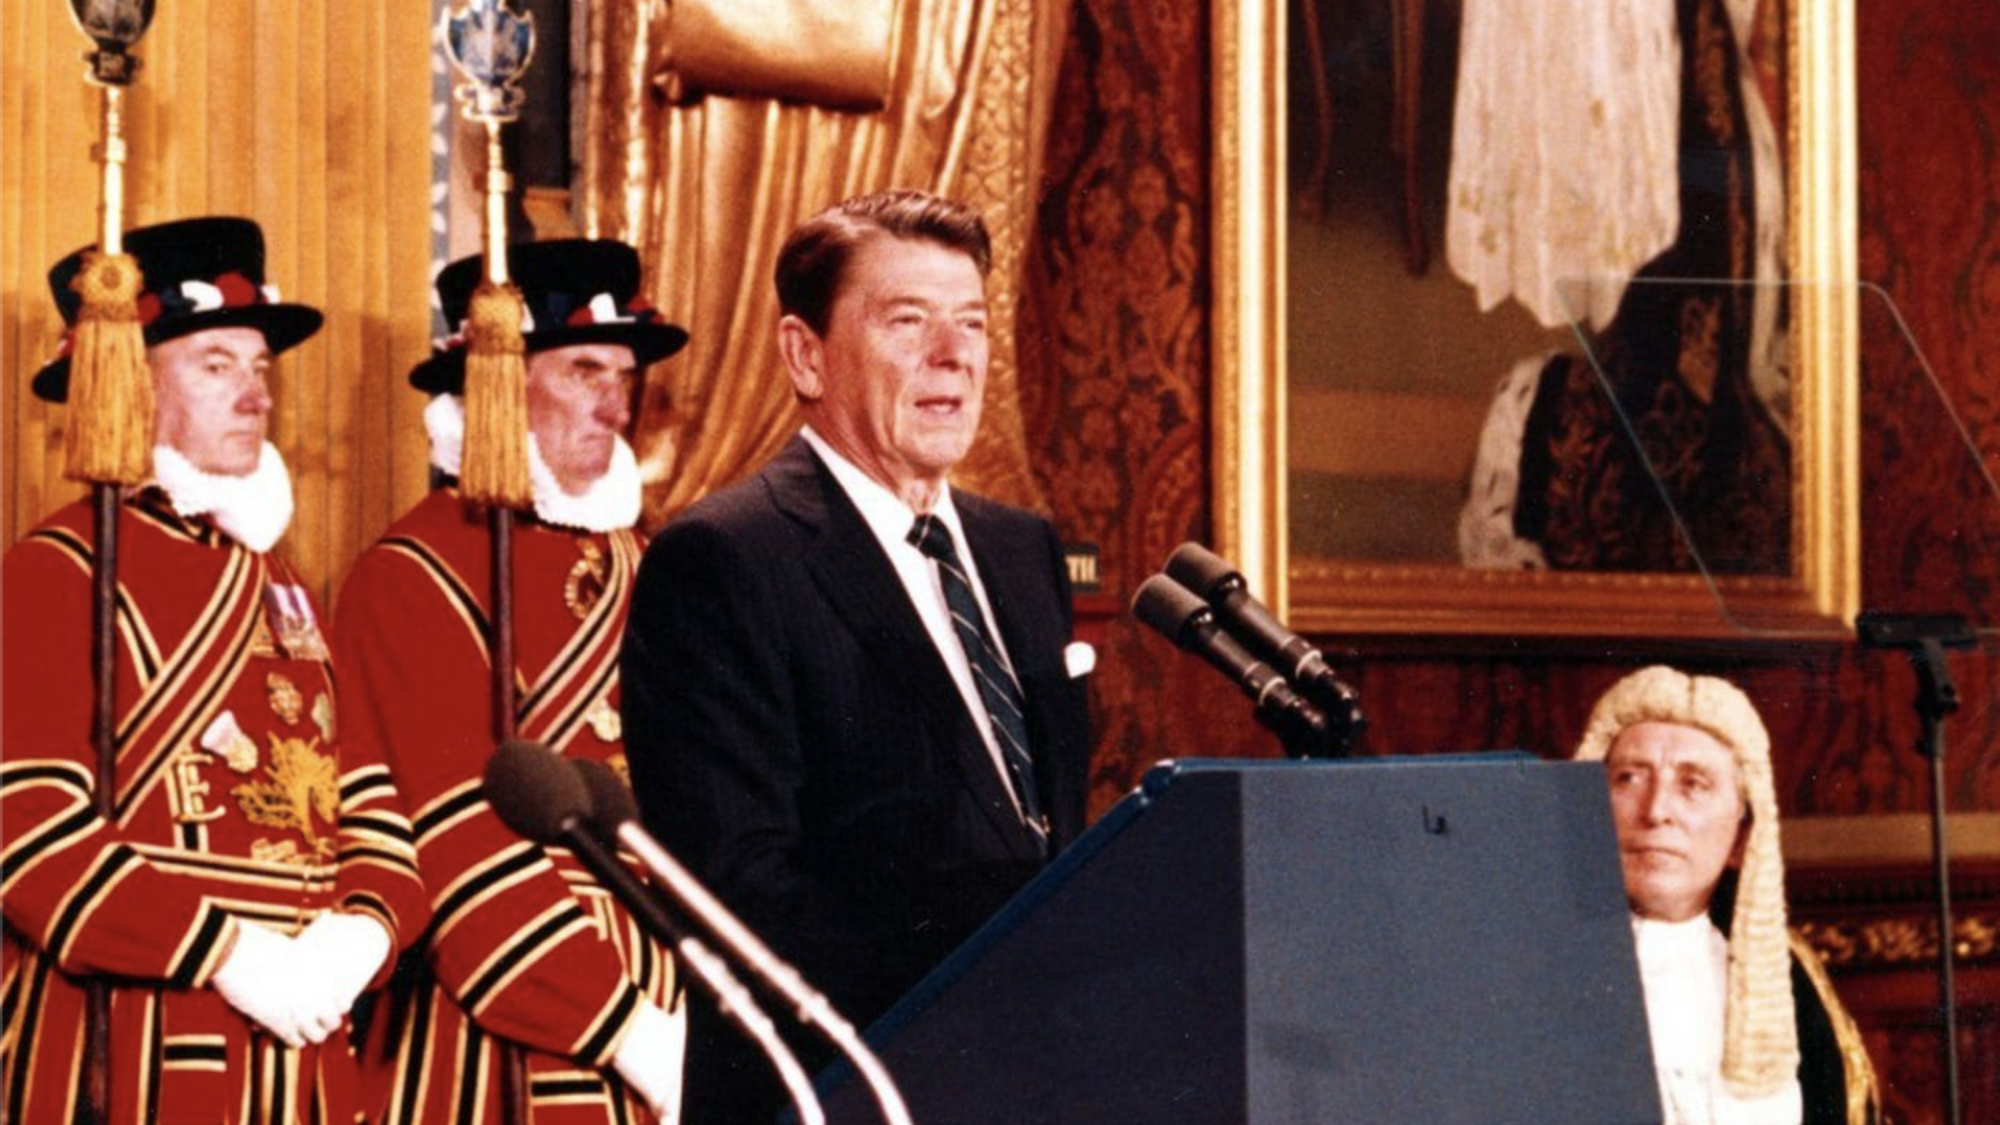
(602,309)
(191,296)
(231,290)
(457,339)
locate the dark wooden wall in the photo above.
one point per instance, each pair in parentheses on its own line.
(1116,387)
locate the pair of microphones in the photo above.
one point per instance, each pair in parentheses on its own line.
(583,806)
(1203,605)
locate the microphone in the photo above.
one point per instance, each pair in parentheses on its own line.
(615,816)
(1222,586)
(1171,610)
(537,794)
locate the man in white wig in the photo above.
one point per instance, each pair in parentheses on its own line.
(1745,1025)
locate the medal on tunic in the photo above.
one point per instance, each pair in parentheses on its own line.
(291,617)
(262,644)
(604,721)
(322,715)
(585,583)
(286,702)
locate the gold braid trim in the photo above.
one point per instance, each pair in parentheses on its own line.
(1864,1100)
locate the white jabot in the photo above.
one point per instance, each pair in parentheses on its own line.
(889,520)
(253,509)
(611,503)
(1683,967)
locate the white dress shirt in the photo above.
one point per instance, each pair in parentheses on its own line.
(890,519)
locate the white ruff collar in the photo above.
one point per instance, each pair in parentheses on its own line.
(253,509)
(611,503)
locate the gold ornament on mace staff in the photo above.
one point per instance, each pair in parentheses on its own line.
(108,442)
(109,439)
(490,44)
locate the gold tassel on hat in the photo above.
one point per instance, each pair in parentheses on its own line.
(109,438)
(495,469)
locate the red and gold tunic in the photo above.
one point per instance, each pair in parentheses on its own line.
(525,945)
(237,796)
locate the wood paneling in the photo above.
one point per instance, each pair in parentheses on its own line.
(310,117)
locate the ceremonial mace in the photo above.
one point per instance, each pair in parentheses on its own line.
(489,43)
(108,441)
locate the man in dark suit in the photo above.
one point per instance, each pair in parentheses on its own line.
(852,704)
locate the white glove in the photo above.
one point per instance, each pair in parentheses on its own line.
(341,954)
(262,979)
(649,1060)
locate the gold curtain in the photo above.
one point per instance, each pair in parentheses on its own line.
(310,116)
(708,190)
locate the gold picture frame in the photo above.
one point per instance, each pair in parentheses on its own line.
(1250,459)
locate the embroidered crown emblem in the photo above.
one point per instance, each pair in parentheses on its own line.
(300,783)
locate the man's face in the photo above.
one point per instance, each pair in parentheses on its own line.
(1679,811)
(900,375)
(579,403)
(212,401)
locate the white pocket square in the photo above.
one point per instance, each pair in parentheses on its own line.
(1079,659)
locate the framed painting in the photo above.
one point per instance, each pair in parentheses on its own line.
(1537,317)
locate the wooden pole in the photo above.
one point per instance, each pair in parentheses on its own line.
(490,44)
(108,441)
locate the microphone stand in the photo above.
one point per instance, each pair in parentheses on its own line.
(731,996)
(1925,637)
(813,1008)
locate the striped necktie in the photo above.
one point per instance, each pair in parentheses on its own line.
(997,687)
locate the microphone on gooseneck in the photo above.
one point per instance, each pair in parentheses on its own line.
(1177,614)
(615,817)
(537,794)
(1224,588)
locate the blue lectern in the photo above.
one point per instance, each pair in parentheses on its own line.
(1441,940)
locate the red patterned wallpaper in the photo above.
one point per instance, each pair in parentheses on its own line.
(1116,344)
(1115,326)
(1929,76)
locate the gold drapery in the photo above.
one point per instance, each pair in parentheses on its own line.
(312,118)
(801,50)
(708,191)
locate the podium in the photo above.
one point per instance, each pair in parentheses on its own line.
(1441,940)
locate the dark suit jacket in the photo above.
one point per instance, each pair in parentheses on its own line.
(796,739)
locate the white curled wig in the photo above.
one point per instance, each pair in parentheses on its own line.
(1760,1051)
